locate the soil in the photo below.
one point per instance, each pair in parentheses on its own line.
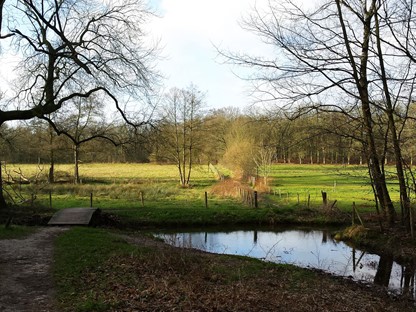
(25,280)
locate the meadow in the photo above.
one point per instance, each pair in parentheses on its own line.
(292,193)
(345,184)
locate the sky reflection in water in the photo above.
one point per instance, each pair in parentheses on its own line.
(313,249)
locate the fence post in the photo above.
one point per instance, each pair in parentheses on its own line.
(206,199)
(324,199)
(91,199)
(256,204)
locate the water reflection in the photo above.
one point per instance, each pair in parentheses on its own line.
(311,249)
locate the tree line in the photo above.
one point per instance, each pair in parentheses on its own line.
(245,141)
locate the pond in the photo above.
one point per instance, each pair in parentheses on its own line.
(304,248)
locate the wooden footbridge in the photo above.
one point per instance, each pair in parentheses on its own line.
(74,216)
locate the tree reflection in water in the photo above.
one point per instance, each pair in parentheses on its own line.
(305,248)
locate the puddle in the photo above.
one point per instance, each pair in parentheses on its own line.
(303,248)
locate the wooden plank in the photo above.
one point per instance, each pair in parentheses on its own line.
(73,216)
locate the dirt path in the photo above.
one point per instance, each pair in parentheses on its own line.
(25,280)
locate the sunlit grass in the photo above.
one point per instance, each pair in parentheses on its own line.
(111,172)
(108,182)
(345,184)
(151,193)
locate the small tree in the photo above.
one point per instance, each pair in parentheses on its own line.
(181,129)
(83,122)
(263,160)
(239,156)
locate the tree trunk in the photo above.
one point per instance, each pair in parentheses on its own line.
(3,204)
(76,162)
(360,75)
(404,198)
(51,175)
(383,273)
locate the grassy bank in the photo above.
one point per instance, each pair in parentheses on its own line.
(101,271)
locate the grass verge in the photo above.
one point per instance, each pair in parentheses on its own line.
(79,252)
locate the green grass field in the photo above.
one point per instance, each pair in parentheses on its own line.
(346,184)
(116,188)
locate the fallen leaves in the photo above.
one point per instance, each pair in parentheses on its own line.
(171,279)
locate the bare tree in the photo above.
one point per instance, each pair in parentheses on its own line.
(340,57)
(181,129)
(72,49)
(82,121)
(263,160)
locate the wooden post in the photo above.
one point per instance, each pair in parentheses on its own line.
(309,200)
(142,198)
(357,214)
(298,199)
(324,199)
(50,199)
(91,199)
(206,199)
(256,204)
(353,214)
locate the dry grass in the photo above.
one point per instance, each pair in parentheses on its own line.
(108,172)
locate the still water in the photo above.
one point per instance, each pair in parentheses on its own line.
(303,248)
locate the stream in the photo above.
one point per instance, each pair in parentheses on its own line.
(304,248)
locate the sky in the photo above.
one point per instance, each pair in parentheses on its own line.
(189,31)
